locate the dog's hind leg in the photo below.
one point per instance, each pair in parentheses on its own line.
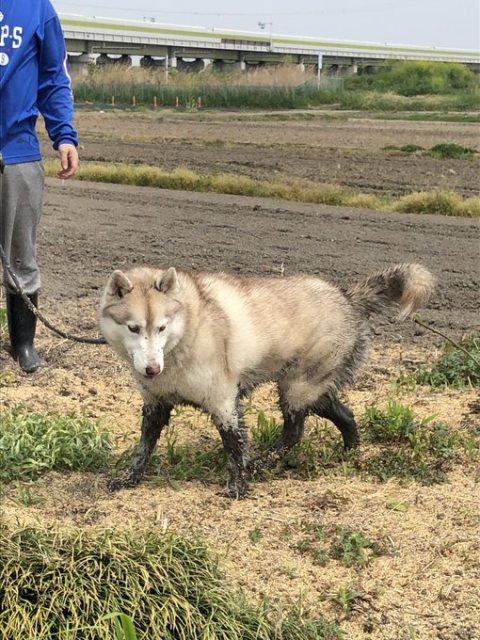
(155,417)
(232,430)
(330,407)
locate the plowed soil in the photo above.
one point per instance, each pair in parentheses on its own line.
(428,588)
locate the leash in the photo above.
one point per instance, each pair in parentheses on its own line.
(34,309)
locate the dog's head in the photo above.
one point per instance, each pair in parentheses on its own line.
(142,317)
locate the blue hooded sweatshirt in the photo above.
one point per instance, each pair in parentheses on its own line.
(33,78)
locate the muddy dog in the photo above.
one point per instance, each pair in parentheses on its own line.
(207,339)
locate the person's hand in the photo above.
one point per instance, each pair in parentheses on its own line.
(68,160)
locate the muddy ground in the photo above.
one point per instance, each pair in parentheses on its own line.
(429,586)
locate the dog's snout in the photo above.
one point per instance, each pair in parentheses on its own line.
(152,370)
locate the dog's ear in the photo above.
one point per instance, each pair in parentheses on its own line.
(168,281)
(119,284)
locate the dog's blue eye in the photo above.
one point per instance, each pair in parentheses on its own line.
(134,328)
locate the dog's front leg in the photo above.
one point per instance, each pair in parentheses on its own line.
(231,427)
(155,417)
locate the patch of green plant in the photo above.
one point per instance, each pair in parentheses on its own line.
(441,117)
(450,150)
(420,450)
(346,597)
(3,319)
(32,443)
(406,148)
(442,151)
(65,585)
(417,77)
(320,452)
(26,498)
(349,547)
(255,535)
(455,367)
(174,462)
(266,431)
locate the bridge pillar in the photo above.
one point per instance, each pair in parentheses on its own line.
(349,69)
(190,66)
(218,65)
(240,65)
(79,65)
(104,60)
(125,60)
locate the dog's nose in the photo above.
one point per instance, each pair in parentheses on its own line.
(152,370)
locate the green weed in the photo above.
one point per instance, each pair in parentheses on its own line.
(421,450)
(319,452)
(454,367)
(3,320)
(255,535)
(55,584)
(417,78)
(351,548)
(26,498)
(181,462)
(32,443)
(266,431)
(445,151)
(346,597)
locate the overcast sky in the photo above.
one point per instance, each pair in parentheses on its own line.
(440,23)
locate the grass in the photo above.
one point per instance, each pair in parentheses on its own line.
(3,320)
(443,151)
(72,585)
(446,151)
(403,86)
(349,547)
(417,78)
(298,190)
(456,367)
(397,444)
(447,203)
(414,449)
(32,443)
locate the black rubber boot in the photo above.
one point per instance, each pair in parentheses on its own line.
(21,326)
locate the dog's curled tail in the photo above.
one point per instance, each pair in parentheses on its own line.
(407,286)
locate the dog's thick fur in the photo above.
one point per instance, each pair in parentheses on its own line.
(208,339)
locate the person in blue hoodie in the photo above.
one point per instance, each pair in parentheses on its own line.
(33,79)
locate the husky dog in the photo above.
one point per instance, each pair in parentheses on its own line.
(207,339)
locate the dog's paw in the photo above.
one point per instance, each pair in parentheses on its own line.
(259,466)
(235,491)
(116,484)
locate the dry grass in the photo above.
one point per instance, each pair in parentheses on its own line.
(275,76)
(295,189)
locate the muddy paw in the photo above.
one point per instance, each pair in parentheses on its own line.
(260,464)
(234,492)
(116,484)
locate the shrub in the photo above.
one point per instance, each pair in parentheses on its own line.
(417,77)
(63,585)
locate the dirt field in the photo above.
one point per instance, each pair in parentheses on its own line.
(428,589)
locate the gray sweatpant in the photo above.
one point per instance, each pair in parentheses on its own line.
(21,199)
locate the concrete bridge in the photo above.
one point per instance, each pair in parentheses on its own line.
(106,41)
